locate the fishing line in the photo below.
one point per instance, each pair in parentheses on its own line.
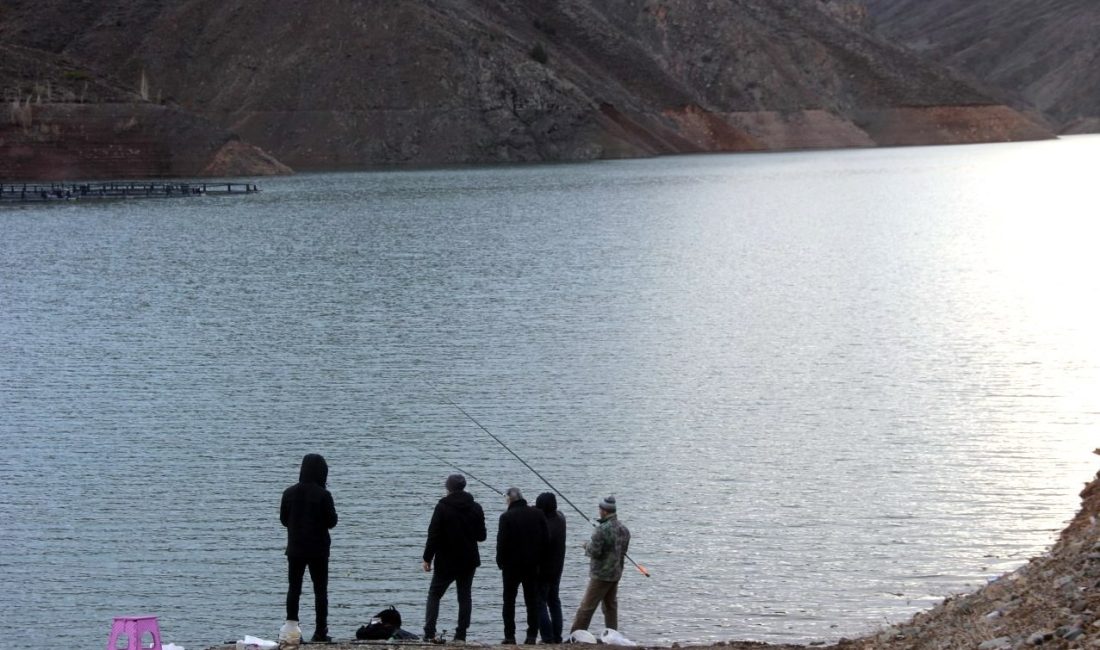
(443,395)
(436,457)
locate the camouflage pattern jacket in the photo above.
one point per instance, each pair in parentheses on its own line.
(607,548)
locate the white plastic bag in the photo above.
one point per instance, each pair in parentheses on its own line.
(582,636)
(290,633)
(250,642)
(612,637)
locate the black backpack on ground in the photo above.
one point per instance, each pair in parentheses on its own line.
(383,625)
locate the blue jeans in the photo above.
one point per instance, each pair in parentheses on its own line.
(463,585)
(550,611)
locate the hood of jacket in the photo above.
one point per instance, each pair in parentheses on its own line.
(547,502)
(314,470)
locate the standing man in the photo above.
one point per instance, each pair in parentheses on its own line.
(607,548)
(550,579)
(522,543)
(458,524)
(308,512)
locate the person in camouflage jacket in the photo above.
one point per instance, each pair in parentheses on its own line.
(607,550)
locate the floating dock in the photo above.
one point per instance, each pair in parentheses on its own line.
(27,192)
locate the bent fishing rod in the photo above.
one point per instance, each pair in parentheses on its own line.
(641,569)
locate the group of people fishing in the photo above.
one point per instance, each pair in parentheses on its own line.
(530,554)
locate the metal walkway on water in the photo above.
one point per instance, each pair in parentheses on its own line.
(25,192)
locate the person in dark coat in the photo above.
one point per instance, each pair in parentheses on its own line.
(523,539)
(308,512)
(458,524)
(550,617)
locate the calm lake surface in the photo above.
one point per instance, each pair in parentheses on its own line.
(828,389)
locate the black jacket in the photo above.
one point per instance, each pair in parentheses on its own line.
(308,512)
(555,557)
(523,539)
(458,524)
(555,522)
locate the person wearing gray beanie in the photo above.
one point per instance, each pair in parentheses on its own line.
(607,549)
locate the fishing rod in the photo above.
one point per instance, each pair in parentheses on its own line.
(641,569)
(437,457)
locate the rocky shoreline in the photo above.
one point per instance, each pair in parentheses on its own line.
(1051,602)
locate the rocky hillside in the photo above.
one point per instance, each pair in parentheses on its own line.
(1043,54)
(354,83)
(1053,601)
(65,121)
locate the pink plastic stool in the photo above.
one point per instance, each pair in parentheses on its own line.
(134,629)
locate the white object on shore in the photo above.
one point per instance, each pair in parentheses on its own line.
(171,646)
(250,642)
(582,636)
(290,633)
(613,637)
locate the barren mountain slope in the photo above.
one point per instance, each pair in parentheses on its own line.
(67,122)
(1040,53)
(358,83)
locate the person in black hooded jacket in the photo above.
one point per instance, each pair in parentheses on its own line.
(458,524)
(550,617)
(308,512)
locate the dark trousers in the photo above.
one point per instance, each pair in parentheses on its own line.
(512,582)
(318,573)
(550,611)
(464,582)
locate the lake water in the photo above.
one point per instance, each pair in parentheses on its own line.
(827,388)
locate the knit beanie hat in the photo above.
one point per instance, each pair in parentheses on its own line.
(608,504)
(456,482)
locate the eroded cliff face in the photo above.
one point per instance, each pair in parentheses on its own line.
(122,140)
(63,122)
(1035,54)
(357,83)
